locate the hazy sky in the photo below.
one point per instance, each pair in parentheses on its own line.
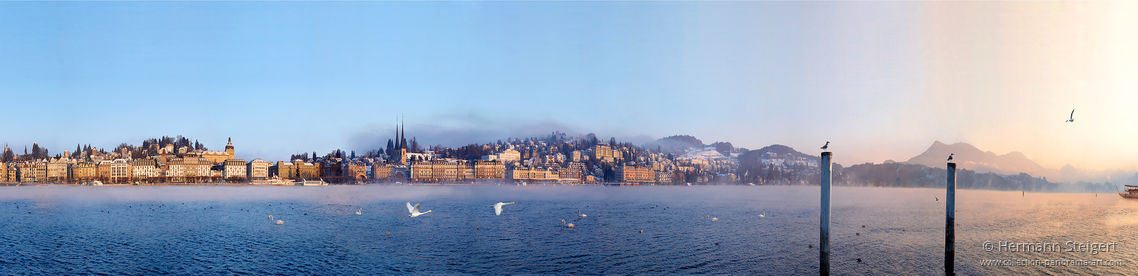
(880,80)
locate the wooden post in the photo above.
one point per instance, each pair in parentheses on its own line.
(950,221)
(824,244)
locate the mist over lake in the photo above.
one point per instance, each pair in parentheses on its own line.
(225,230)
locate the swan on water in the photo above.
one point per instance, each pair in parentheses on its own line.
(360,212)
(764,214)
(579,214)
(415,210)
(714,219)
(498,207)
(279,222)
(567,225)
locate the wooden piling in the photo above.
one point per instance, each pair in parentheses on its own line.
(950,221)
(824,244)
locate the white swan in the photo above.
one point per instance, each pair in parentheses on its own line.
(279,222)
(415,210)
(498,207)
(579,214)
(569,225)
(764,214)
(360,212)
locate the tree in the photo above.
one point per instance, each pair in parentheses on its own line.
(35,151)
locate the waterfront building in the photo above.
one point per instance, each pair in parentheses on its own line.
(189,169)
(84,172)
(4,172)
(664,176)
(489,170)
(381,171)
(422,171)
(234,170)
(57,171)
(257,169)
(40,171)
(572,172)
(522,173)
(283,170)
(144,170)
(632,174)
(356,170)
(27,172)
(13,172)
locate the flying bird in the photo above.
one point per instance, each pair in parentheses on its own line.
(415,210)
(827,145)
(1072,119)
(498,207)
(950,156)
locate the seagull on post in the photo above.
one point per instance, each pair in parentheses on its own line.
(827,145)
(950,156)
(1072,119)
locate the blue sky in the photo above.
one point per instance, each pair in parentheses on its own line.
(285,77)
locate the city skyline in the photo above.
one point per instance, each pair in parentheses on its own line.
(881,80)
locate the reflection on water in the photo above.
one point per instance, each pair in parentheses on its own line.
(211,230)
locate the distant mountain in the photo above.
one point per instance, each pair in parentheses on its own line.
(676,144)
(970,157)
(779,164)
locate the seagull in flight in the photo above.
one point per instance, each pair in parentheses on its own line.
(1072,119)
(827,145)
(415,210)
(950,156)
(498,207)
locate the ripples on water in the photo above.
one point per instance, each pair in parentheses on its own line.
(225,230)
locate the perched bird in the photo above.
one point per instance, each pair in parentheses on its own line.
(827,145)
(950,156)
(414,210)
(498,207)
(1072,119)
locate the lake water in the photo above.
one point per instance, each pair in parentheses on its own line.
(57,230)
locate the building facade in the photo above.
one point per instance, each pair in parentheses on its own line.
(257,169)
(235,170)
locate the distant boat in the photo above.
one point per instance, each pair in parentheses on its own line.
(1131,192)
(306,182)
(273,181)
(94,183)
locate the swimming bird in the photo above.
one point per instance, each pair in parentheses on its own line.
(714,219)
(415,210)
(764,214)
(579,214)
(950,156)
(567,225)
(827,145)
(279,222)
(1072,119)
(936,199)
(498,207)
(360,212)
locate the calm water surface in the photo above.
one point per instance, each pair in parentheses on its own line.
(57,230)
